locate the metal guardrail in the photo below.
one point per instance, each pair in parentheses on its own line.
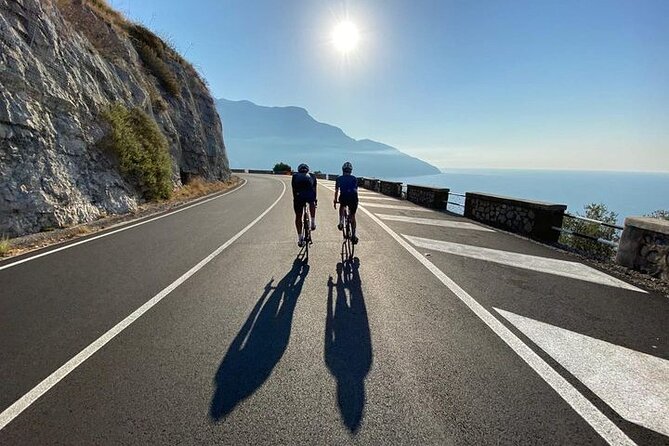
(587,236)
(455,203)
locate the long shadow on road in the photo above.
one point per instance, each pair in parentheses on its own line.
(260,343)
(348,342)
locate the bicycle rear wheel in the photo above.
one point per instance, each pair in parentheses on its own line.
(306,224)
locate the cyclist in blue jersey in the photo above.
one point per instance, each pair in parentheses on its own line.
(304,191)
(346,187)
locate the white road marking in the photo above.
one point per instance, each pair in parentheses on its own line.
(634,384)
(573,270)
(36,392)
(394,206)
(593,416)
(380,198)
(435,222)
(116,231)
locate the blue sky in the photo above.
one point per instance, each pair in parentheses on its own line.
(493,84)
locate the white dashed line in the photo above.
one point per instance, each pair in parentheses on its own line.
(634,384)
(564,268)
(454,224)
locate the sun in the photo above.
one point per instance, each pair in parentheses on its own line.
(345,36)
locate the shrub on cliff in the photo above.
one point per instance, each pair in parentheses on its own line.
(142,151)
(660,213)
(594,211)
(152,52)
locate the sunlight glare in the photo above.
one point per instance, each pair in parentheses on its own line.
(345,36)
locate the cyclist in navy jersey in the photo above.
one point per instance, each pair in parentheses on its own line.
(346,187)
(304,191)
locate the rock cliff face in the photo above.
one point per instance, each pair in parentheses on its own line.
(62,64)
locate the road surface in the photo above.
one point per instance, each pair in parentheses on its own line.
(206,326)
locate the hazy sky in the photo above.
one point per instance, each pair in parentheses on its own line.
(578,84)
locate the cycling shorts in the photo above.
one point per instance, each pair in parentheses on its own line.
(349,200)
(298,203)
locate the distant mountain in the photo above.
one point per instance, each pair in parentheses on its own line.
(258,137)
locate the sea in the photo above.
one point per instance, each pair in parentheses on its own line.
(625,193)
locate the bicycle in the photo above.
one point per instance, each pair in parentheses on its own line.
(347,247)
(306,227)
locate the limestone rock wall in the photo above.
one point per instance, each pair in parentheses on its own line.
(60,67)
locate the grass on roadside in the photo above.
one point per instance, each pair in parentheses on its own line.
(5,246)
(197,187)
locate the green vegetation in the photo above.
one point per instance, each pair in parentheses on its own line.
(142,151)
(282,167)
(4,246)
(152,51)
(594,211)
(660,213)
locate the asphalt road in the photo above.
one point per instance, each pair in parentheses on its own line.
(207,326)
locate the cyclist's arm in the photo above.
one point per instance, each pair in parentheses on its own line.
(315,189)
(292,184)
(336,193)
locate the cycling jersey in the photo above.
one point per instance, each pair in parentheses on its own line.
(348,187)
(304,189)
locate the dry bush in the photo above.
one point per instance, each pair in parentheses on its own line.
(198,187)
(5,246)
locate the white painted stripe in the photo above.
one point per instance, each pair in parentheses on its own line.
(435,222)
(116,231)
(593,416)
(564,268)
(395,206)
(382,198)
(634,384)
(26,400)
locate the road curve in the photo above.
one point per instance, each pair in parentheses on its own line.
(250,343)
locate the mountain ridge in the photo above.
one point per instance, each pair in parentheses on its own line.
(257,136)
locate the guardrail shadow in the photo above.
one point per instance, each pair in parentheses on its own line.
(260,343)
(348,342)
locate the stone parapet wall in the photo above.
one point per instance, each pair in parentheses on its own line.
(533,219)
(269,172)
(391,188)
(644,246)
(431,197)
(321,176)
(238,170)
(371,184)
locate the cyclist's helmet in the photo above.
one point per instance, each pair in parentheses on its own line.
(347,167)
(303,168)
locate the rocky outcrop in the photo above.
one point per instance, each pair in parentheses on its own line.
(62,64)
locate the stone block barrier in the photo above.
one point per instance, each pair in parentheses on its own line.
(390,188)
(532,219)
(371,184)
(332,176)
(238,171)
(644,246)
(431,197)
(268,172)
(321,176)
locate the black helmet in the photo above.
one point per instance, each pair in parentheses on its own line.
(347,167)
(303,168)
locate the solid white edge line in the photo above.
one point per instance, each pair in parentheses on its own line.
(611,433)
(36,392)
(124,228)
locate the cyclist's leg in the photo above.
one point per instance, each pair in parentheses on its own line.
(298,207)
(312,211)
(352,209)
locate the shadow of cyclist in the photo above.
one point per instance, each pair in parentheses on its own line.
(260,343)
(348,343)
